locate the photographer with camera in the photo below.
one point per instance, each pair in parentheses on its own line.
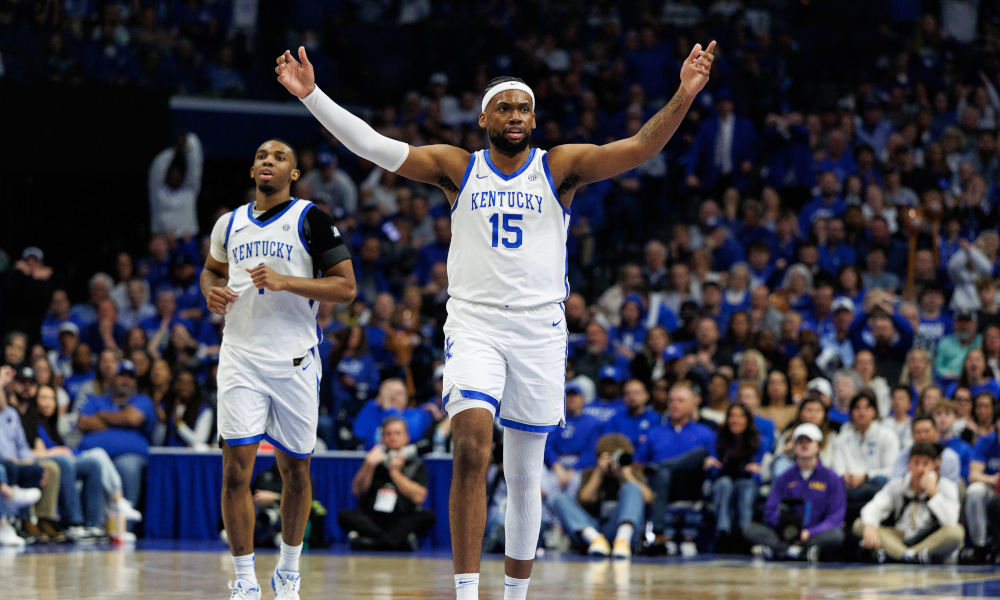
(611,503)
(390,487)
(914,518)
(805,510)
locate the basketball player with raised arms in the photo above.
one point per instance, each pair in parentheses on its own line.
(271,263)
(506,338)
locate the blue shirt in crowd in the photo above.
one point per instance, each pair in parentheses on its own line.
(573,446)
(987,451)
(368,423)
(823,502)
(120,440)
(634,427)
(13,442)
(604,410)
(965,452)
(666,441)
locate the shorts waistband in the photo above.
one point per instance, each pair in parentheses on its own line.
(506,308)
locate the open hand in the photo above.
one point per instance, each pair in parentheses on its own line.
(297,76)
(696,67)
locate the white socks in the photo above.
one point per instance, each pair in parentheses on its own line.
(625,531)
(467,586)
(244,566)
(289,560)
(515,589)
(590,534)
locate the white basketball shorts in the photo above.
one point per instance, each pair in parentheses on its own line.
(507,360)
(281,407)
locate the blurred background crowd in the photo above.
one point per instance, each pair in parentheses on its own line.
(817,245)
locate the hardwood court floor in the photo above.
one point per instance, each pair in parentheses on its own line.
(149,574)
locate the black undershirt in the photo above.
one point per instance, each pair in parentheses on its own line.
(326,246)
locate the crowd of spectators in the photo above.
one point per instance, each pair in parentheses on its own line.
(785,324)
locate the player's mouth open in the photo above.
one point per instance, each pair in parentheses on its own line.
(266,174)
(515,133)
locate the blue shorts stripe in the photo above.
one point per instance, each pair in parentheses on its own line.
(474,395)
(281,447)
(528,428)
(243,441)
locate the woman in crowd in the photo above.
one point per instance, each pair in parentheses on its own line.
(983,413)
(991,349)
(864,366)
(45,376)
(766,342)
(850,286)
(733,463)
(737,294)
(811,410)
(355,376)
(189,417)
(749,395)
(798,378)
(143,365)
(917,374)
(648,365)
(846,385)
(976,375)
(135,339)
(739,335)
(716,401)
(777,404)
(796,287)
(752,369)
(928,399)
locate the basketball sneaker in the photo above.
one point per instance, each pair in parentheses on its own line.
(286,585)
(243,590)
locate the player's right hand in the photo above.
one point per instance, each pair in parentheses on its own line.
(219,298)
(297,76)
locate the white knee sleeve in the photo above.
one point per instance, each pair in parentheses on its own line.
(523,455)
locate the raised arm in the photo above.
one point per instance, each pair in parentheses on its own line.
(573,165)
(440,165)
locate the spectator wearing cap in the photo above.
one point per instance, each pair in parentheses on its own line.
(58,314)
(952,349)
(884,332)
(26,293)
(805,507)
(332,185)
(945,415)
(724,150)
(984,473)
(121,423)
(434,252)
(865,451)
(967,265)
(637,419)
(105,333)
(596,353)
(924,430)
(675,450)
(99,287)
(837,348)
(570,450)
(61,357)
(608,401)
(914,518)
(628,337)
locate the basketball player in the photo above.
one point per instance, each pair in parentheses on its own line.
(505,346)
(271,263)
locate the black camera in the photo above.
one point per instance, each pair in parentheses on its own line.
(621,458)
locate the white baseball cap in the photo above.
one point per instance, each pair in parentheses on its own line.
(808,430)
(822,386)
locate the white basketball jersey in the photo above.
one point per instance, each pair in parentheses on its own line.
(270,327)
(508,244)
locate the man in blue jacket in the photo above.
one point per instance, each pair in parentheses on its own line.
(804,515)
(637,420)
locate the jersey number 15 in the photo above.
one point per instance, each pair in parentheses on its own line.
(508,228)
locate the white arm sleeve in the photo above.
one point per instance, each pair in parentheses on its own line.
(355,133)
(218,246)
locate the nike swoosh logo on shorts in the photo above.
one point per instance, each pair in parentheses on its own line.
(557,322)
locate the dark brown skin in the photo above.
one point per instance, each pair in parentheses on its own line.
(572,165)
(274,166)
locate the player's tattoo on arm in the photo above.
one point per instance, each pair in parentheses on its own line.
(651,130)
(444,182)
(568,184)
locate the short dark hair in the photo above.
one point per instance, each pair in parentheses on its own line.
(865,395)
(924,417)
(295,153)
(390,420)
(902,388)
(931,451)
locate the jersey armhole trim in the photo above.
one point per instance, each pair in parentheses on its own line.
(302,217)
(552,184)
(465,179)
(225,244)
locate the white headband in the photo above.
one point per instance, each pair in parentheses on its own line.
(508,85)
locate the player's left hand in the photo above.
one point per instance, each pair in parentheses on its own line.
(696,67)
(266,278)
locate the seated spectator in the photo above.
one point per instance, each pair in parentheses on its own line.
(868,366)
(983,481)
(983,416)
(924,431)
(805,509)
(45,376)
(899,420)
(627,338)
(864,452)
(976,376)
(611,503)
(734,462)
(945,413)
(85,313)
(138,308)
(650,364)
(100,385)
(914,518)
(708,355)
(715,401)
(811,410)
(918,374)
(608,401)
(57,316)
(952,349)
(777,398)
(637,419)
(105,332)
(391,489)
(596,353)
(355,377)
(122,424)
(190,418)
(392,401)
(749,396)
(61,356)
(675,449)
(570,450)
(82,370)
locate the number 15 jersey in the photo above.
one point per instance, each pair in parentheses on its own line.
(508,245)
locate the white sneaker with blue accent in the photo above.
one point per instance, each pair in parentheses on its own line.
(286,585)
(244,590)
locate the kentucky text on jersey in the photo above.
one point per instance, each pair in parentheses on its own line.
(262,248)
(491,198)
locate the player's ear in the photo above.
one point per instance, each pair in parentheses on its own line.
(295,174)
(482,120)
(252,175)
